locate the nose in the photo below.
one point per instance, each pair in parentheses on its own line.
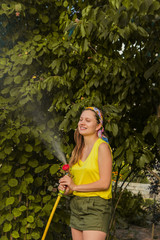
(82,122)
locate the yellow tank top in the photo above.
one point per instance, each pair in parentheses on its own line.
(88,171)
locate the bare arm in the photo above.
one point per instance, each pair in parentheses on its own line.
(105,172)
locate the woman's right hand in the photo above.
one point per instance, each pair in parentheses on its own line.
(64,188)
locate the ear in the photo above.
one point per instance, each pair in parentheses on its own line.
(99,126)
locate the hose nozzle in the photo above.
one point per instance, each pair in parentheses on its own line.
(66,168)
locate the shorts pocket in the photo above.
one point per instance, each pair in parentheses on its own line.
(102,205)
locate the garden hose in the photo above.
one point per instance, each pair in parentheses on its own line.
(52,213)
(60,194)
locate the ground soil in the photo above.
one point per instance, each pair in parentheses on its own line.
(137,233)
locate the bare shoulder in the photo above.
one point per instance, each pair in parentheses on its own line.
(104,147)
(104,153)
(105,150)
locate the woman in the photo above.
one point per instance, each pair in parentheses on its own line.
(91,170)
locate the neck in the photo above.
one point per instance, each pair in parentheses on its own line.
(90,140)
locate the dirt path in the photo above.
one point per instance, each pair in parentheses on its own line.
(137,233)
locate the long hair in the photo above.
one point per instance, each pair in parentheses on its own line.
(79,140)
(77,151)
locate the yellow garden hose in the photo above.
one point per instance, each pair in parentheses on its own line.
(52,213)
(60,194)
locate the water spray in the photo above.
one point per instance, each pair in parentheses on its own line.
(60,194)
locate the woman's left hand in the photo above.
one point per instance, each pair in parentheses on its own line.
(67,181)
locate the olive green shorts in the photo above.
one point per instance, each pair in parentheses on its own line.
(90,213)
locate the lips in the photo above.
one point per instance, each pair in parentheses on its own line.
(82,128)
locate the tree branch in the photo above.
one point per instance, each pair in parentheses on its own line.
(153,173)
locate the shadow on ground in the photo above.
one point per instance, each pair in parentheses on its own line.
(137,233)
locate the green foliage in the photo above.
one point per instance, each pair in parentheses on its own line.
(51,66)
(131,210)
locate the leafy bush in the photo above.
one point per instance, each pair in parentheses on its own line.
(131,209)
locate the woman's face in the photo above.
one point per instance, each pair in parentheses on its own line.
(87,124)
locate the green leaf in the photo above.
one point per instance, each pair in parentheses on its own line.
(13,182)
(126,3)
(2,155)
(86,11)
(47,208)
(10,201)
(28,178)
(8,150)
(114,129)
(46,198)
(32,10)
(5,188)
(22,208)
(118,151)
(35,235)
(155,131)
(9,217)
(19,172)
(73,73)
(28,148)
(142,32)
(37,38)
(40,223)
(85,46)
(15,234)
(151,70)
(24,100)
(33,163)
(48,154)
(23,230)
(30,219)
(25,130)
(18,7)
(14,92)
(125,32)
(29,61)
(65,4)
(5,7)
(38,182)
(41,168)
(153,7)
(17,79)
(31,197)
(7,227)
(16,212)
(129,155)
(37,209)
(8,80)
(6,168)
(54,168)
(2,219)
(51,123)
(4,238)
(82,30)
(143,159)
(45,19)
(23,159)
(24,222)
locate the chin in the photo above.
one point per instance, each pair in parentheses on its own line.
(82,133)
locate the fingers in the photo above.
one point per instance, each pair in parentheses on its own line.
(65,180)
(61,187)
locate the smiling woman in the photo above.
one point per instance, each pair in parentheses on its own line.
(91,168)
(88,123)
